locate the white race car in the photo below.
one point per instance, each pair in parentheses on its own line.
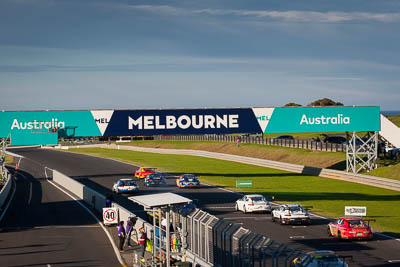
(291,214)
(126,185)
(253,203)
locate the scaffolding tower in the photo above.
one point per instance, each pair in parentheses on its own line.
(362,153)
(161,208)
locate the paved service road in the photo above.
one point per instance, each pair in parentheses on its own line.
(101,173)
(44,227)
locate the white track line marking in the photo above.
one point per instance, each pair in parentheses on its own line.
(116,250)
(253,218)
(66,226)
(216,207)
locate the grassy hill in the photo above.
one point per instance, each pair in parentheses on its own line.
(331,160)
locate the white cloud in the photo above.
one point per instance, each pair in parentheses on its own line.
(327,78)
(162,9)
(290,15)
(306,16)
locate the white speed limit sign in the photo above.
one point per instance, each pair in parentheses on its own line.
(110,216)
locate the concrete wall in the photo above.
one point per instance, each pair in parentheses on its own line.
(87,194)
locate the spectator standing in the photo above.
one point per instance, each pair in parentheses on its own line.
(129,227)
(238,141)
(142,241)
(163,226)
(121,235)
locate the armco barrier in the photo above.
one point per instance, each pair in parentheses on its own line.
(326,173)
(5,191)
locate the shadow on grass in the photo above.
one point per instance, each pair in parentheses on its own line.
(340,166)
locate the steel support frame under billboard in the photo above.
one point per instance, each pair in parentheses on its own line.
(361,154)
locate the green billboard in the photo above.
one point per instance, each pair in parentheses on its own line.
(318,119)
(45,127)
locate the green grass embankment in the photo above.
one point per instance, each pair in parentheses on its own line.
(395,119)
(327,196)
(285,154)
(331,160)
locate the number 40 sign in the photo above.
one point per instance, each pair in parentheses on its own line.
(110,216)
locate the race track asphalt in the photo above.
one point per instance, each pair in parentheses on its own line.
(45,227)
(100,174)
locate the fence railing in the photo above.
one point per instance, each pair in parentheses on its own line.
(297,143)
(219,242)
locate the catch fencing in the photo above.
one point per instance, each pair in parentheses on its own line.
(219,242)
(297,143)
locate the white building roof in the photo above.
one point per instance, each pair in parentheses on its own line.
(159,200)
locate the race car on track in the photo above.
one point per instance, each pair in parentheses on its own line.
(291,214)
(155,179)
(321,258)
(126,185)
(350,228)
(253,203)
(187,180)
(142,172)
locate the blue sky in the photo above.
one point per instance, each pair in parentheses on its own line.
(94,54)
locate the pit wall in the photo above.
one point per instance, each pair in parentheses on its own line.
(95,199)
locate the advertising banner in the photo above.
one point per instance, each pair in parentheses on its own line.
(355,211)
(318,119)
(25,127)
(182,121)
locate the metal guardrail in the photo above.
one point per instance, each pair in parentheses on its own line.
(305,144)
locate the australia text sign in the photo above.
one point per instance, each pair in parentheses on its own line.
(25,124)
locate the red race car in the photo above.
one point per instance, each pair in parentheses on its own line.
(142,172)
(350,228)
